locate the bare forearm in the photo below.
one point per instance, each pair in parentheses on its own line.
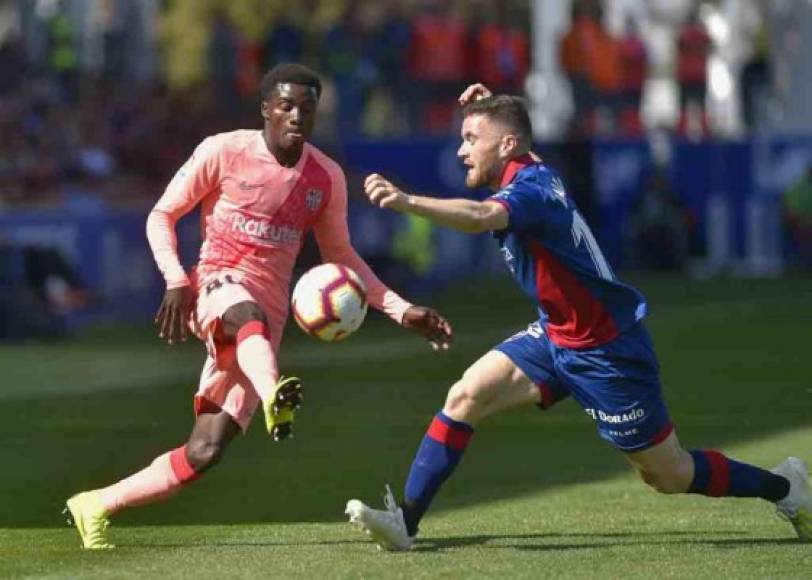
(464,215)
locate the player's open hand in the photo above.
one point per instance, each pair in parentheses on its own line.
(429,323)
(383,193)
(173,314)
(474,93)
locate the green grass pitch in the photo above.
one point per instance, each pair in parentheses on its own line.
(537,495)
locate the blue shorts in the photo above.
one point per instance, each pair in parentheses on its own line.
(617,384)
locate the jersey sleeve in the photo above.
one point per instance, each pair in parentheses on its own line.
(198,177)
(333,238)
(526,202)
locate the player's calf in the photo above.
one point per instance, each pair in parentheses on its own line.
(669,478)
(670,469)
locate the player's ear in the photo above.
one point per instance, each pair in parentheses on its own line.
(508,146)
(265,110)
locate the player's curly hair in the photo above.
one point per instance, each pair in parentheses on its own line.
(294,73)
(508,110)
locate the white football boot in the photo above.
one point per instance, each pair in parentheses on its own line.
(387,527)
(797,506)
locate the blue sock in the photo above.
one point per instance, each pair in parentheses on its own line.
(718,476)
(437,457)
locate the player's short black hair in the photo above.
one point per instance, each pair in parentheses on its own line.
(506,109)
(294,73)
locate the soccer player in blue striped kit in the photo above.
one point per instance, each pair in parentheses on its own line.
(589,343)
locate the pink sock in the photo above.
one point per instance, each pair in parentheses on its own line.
(256,359)
(160,480)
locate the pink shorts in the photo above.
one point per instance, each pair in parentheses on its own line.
(222,383)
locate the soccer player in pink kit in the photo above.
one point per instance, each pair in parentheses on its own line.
(259,192)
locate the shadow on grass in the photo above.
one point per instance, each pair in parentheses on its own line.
(240,543)
(532,542)
(634,539)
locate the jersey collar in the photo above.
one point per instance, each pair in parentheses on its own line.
(514,166)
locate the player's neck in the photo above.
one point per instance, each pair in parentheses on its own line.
(512,167)
(285,157)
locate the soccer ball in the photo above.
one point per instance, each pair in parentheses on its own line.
(329,302)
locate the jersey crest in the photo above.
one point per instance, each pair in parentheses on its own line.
(313,199)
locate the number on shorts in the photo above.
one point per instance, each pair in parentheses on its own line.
(218,283)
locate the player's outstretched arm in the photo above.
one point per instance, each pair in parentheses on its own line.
(430,324)
(465,215)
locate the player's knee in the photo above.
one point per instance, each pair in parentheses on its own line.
(243,313)
(203,455)
(465,398)
(239,315)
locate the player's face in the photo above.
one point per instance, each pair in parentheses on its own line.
(290,114)
(481,151)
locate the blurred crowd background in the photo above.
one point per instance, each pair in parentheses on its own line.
(102,100)
(122,90)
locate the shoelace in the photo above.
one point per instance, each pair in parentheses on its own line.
(98,534)
(389,500)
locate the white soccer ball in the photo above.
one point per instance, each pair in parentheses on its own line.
(329,302)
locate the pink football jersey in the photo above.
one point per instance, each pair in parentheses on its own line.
(255,214)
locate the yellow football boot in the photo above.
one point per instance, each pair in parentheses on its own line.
(279,409)
(85,511)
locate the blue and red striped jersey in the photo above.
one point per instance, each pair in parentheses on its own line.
(554,257)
